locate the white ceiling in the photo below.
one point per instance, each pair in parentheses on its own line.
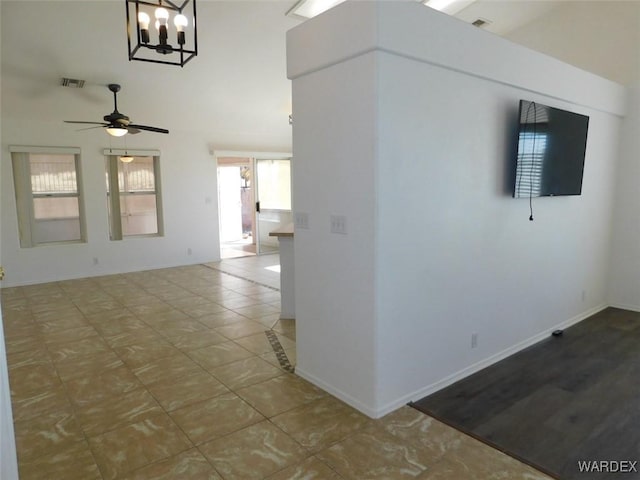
(236,84)
(506,16)
(236,88)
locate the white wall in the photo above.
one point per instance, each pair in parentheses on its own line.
(425,107)
(332,175)
(189,199)
(8,459)
(233,96)
(624,283)
(604,37)
(474,263)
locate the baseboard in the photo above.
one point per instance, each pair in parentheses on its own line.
(345,397)
(7,283)
(622,306)
(450,379)
(471,369)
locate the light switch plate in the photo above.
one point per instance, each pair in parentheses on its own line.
(302,220)
(338,224)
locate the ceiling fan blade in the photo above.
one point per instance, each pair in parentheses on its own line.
(89,128)
(133,131)
(149,129)
(86,123)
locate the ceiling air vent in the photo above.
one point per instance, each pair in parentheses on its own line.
(480,23)
(72,83)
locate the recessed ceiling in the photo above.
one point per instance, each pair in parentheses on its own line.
(236,87)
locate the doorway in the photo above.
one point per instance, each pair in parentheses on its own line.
(254,199)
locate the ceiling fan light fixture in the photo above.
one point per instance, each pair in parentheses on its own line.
(117,124)
(126,158)
(116,131)
(174,40)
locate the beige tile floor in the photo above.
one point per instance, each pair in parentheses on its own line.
(168,374)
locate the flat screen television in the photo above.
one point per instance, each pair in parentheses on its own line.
(551,148)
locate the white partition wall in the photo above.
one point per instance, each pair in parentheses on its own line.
(404,134)
(624,287)
(8,458)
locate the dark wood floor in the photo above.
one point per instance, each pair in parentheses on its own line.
(563,400)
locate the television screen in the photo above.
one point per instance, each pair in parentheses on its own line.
(551,149)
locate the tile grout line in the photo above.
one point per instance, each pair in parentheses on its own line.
(279,351)
(235,275)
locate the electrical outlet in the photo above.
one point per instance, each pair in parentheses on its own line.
(302,220)
(584,295)
(189,251)
(338,224)
(95,260)
(474,340)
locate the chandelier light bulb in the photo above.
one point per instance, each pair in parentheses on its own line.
(143,23)
(143,20)
(162,15)
(180,22)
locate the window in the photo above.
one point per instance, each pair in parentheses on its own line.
(133,195)
(48,199)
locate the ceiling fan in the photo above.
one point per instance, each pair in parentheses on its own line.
(118,124)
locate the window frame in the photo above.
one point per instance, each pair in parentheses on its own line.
(113,192)
(21,172)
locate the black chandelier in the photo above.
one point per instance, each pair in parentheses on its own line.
(173,23)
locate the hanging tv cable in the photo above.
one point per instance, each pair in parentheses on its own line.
(533,156)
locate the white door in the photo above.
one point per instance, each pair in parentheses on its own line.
(273,200)
(230,203)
